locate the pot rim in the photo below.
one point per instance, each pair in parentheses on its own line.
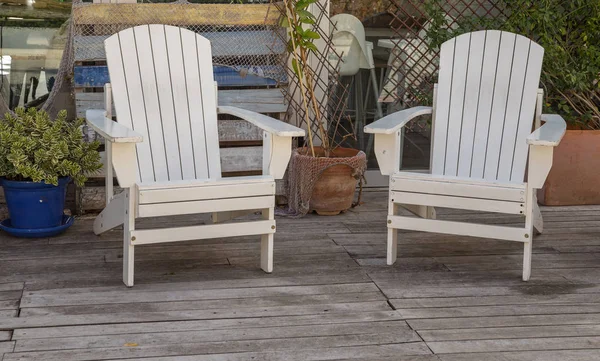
(359,153)
(7,183)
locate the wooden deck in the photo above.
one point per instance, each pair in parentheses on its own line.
(330,297)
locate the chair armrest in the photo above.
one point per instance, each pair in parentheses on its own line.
(110,130)
(542,142)
(395,121)
(266,123)
(550,133)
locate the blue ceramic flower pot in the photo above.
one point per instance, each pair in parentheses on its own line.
(35,205)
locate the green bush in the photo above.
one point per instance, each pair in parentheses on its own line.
(35,148)
(569,31)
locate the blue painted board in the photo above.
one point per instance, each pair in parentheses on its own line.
(97,76)
(91,76)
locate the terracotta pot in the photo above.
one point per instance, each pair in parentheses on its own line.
(575,173)
(334,191)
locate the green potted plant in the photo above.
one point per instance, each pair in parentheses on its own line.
(38,158)
(569,31)
(323,177)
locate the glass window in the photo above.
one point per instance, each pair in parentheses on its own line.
(32,41)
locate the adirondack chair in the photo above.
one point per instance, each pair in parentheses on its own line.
(485,106)
(164,146)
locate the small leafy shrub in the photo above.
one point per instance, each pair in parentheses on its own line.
(569,31)
(35,148)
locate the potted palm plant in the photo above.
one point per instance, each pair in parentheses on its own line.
(323,176)
(38,158)
(569,31)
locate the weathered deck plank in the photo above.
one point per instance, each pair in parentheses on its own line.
(510,332)
(312,348)
(8,323)
(524,344)
(217,324)
(488,311)
(6,346)
(505,321)
(40,299)
(399,328)
(205,304)
(557,355)
(553,299)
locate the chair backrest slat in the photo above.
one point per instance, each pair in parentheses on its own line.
(209,96)
(487,88)
(458,94)
(159,75)
(528,106)
(150,92)
(194,92)
(484,107)
(469,115)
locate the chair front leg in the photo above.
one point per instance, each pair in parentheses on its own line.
(266,243)
(392,234)
(540,162)
(128,240)
(528,244)
(108,173)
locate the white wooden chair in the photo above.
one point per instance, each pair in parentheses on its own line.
(165,146)
(485,106)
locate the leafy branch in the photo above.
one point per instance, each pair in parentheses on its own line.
(569,31)
(299,21)
(35,148)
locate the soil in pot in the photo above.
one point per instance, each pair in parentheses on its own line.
(334,190)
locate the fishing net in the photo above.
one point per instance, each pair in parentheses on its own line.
(244,37)
(242,34)
(304,172)
(61,95)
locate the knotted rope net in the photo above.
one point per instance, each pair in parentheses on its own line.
(304,172)
(244,35)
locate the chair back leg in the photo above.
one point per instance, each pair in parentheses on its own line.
(538,221)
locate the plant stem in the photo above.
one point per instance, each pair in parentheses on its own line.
(290,13)
(322,131)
